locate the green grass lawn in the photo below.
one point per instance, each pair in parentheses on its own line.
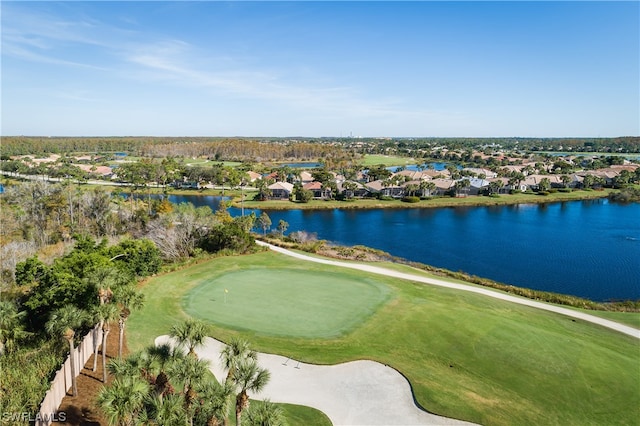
(466,356)
(302,415)
(285,302)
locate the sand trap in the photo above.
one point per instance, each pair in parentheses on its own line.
(354,393)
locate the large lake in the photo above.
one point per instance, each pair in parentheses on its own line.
(584,248)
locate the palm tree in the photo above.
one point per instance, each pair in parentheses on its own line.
(191,333)
(167,411)
(236,352)
(128,367)
(190,370)
(265,413)
(158,360)
(264,221)
(106,314)
(63,322)
(11,326)
(411,189)
(104,279)
(462,185)
(248,378)
(123,401)
(215,403)
(427,186)
(127,298)
(544,184)
(349,188)
(588,181)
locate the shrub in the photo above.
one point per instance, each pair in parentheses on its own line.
(543,193)
(411,199)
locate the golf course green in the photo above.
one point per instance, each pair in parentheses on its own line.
(286,302)
(467,356)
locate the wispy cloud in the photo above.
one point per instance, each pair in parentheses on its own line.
(44,37)
(180,63)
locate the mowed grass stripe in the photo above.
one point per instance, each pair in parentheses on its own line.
(286,302)
(466,356)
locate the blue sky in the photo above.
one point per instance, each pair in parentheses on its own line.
(474,69)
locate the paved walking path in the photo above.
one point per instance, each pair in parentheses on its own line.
(631,331)
(362,393)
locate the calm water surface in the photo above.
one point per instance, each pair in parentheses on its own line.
(585,248)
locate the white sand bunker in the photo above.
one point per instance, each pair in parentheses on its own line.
(354,393)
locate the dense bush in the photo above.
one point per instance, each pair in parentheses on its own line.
(411,199)
(141,257)
(230,236)
(627,195)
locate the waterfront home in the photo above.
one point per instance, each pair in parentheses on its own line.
(280,190)
(385,188)
(477,186)
(316,188)
(443,186)
(352,189)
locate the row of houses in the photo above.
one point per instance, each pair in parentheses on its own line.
(438,183)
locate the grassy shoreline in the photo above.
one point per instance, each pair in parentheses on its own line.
(357,253)
(436,202)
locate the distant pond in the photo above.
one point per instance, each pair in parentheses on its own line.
(584,248)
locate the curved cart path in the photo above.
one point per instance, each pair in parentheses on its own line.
(631,331)
(354,393)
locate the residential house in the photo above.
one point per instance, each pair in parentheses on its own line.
(480,172)
(305,177)
(316,188)
(360,190)
(443,186)
(103,171)
(253,176)
(186,184)
(382,187)
(280,190)
(477,186)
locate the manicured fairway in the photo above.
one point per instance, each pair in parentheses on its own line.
(286,302)
(467,356)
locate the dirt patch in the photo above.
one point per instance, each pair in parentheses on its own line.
(82,410)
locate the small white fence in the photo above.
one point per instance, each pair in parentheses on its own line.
(62,381)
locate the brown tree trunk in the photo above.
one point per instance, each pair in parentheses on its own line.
(242,402)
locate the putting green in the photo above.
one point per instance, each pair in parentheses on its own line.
(286,302)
